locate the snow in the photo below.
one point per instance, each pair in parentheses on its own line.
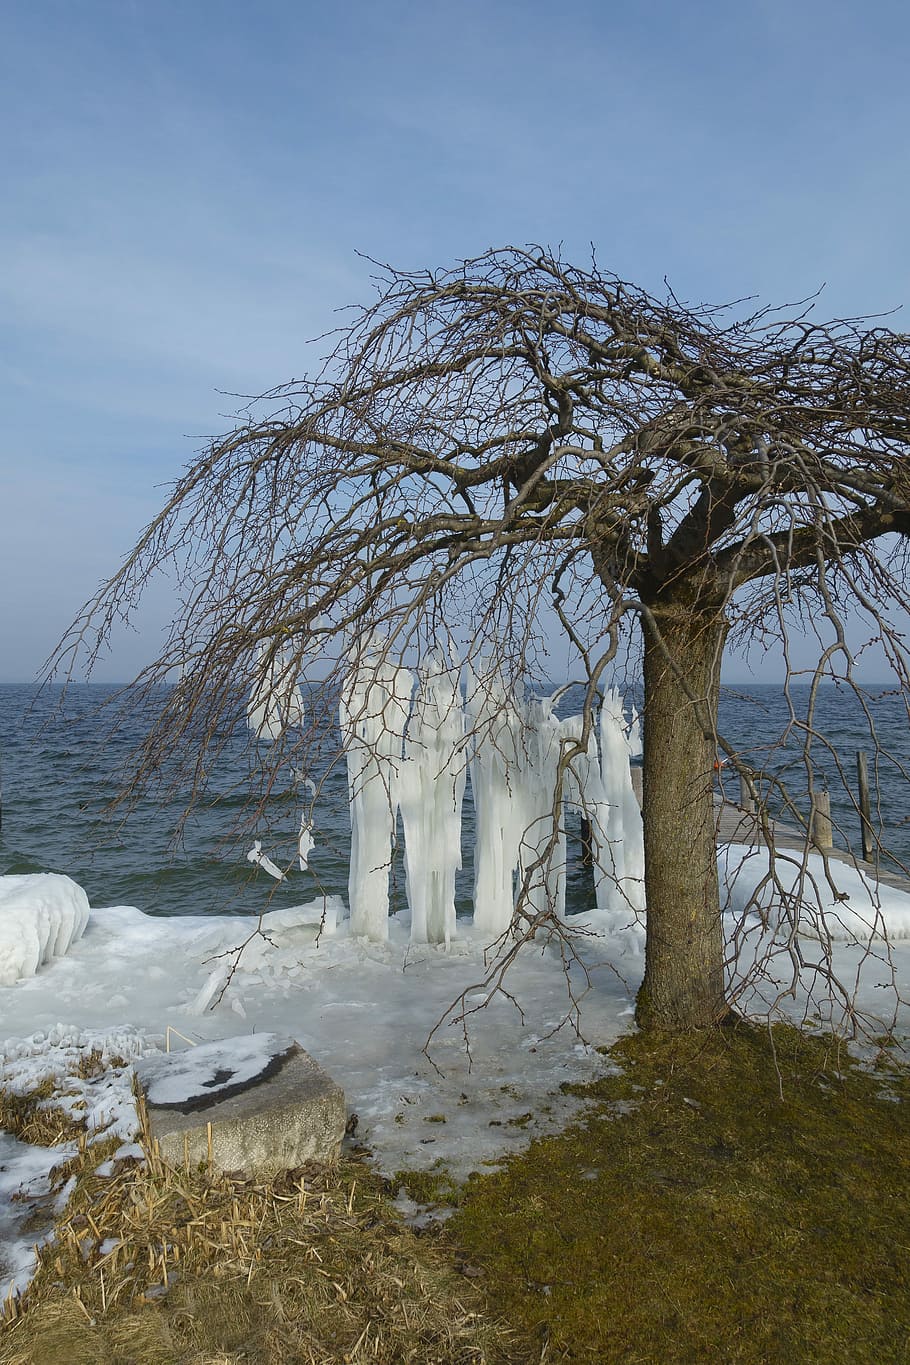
(832,899)
(25,1186)
(29,1198)
(206,1072)
(363,1010)
(41,916)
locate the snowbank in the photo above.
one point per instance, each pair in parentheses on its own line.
(836,901)
(41,916)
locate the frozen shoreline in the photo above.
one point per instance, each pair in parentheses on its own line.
(134,982)
(365,1010)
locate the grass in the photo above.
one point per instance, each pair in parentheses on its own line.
(740,1197)
(734,1198)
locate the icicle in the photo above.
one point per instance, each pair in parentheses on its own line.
(542,841)
(495,726)
(620,883)
(632,826)
(293,713)
(305,843)
(585,791)
(372,715)
(256,855)
(276,702)
(263,714)
(430,792)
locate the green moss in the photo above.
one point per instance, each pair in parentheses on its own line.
(738,1196)
(434,1187)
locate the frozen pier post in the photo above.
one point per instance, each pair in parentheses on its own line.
(820,827)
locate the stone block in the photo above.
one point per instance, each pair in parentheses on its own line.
(270,1106)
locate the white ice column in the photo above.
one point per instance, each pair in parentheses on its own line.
(620,877)
(263,713)
(372,716)
(495,726)
(542,847)
(633,828)
(584,790)
(276,702)
(430,793)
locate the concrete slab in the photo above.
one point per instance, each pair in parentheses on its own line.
(270,1106)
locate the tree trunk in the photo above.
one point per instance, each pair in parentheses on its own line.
(683,986)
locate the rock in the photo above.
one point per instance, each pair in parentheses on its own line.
(270,1106)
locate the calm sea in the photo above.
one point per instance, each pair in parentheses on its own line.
(58,775)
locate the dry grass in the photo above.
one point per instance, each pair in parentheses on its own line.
(159,1264)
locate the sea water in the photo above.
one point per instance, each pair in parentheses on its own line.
(60,767)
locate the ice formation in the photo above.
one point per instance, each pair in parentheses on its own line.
(276,702)
(584,788)
(632,826)
(41,915)
(411,758)
(305,843)
(619,845)
(542,843)
(495,724)
(430,791)
(372,715)
(256,855)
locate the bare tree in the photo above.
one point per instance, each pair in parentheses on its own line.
(518,440)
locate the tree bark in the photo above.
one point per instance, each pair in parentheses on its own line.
(683,986)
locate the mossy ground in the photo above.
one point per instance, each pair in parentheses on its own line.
(742,1196)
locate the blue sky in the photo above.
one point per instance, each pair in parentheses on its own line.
(187,186)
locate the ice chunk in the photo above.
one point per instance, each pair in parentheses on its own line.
(256,855)
(41,915)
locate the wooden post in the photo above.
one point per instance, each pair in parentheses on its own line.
(746,800)
(637,774)
(820,821)
(865,805)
